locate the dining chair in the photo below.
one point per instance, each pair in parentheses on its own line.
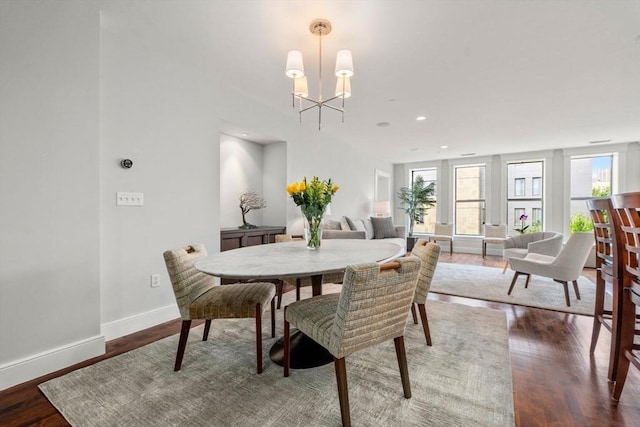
(301,281)
(626,207)
(443,233)
(564,268)
(428,254)
(200,297)
(493,235)
(372,308)
(609,270)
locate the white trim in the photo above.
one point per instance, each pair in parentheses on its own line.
(40,364)
(138,322)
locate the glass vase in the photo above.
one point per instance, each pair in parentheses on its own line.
(313,225)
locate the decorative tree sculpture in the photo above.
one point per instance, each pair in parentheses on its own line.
(250,200)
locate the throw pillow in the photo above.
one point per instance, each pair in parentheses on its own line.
(344,225)
(368,228)
(383,228)
(330,224)
(360,227)
(352,225)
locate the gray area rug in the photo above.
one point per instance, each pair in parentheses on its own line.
(487,283)
(463,380)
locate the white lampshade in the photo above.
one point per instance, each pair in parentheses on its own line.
(300,87)
(381,208)
(295,67)
(343,84)
(344,63)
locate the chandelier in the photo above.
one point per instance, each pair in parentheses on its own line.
(343,72)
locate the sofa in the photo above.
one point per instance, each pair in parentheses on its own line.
(367,228)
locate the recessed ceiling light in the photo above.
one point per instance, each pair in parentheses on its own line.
(444,146)
(244,134)
(602,141)
(392,99)
(383,124)
(420,118)
(415,149)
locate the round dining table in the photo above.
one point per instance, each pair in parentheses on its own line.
(293,259)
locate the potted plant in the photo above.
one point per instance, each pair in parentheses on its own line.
(416,201)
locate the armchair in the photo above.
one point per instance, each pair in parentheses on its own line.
(541,242)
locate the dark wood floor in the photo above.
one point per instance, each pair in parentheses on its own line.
(556,381)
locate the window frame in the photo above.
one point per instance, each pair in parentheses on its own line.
(481,200)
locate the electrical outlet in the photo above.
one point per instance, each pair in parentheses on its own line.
(155,280)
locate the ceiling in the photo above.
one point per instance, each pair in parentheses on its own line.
(490,77)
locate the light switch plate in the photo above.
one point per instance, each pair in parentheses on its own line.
(129,199)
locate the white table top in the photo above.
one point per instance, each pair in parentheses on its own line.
(294,259)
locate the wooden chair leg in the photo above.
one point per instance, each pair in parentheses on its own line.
(273,318)
(506,264)
(343,391)
(402,364)
(286,346)
(626,329)
(597,313)
(279,286)
(513,281)
(451,247)
(575,288)
(425,322)
(182,343)
(259,338)
(207,326)
(484,249)
(566,292)
(298,289)
(413,313)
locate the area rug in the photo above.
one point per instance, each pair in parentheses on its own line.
(463,379)
(488,283)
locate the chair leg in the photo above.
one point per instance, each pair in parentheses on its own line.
(626,329)
(402,364)
(566,293)
(259,338)
(526,283)
(513,281)
(343,391)
(182,343)
(279,285)
(286,346)
(597,314)
(575,288)
(413,313)
(484,249)
(451,247)
(273,318)
(425,323)
(207,326)
(298,283)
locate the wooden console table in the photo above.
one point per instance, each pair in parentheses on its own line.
(234,238)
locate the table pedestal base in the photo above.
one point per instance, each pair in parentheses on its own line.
(305,352)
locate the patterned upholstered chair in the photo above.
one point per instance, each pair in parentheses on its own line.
(299,282)
(443,233)
(428,254)
(564,268)
(493,235)
(199,297)
(372,307)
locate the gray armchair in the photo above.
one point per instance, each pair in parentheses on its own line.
(541,242)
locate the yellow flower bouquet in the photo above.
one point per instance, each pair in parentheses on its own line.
(313,197)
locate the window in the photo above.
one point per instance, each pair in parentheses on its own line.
(426,225)
(518,187)
(536,186)
(470,199)
(519,201)
(590,177)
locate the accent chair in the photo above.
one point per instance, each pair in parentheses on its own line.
(493,235)
(541,242)
(443,233)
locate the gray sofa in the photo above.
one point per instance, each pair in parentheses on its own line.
(364,230)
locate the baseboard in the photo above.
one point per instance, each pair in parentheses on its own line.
(138,322)
(40,364)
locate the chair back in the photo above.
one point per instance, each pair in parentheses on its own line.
(627,209)
(495,231)
(428,254)
(608,247)
(188,283)
(373,305)
(570,261)
(443,229)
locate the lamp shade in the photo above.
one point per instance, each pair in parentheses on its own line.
(343,85)
(344,63)
(300,87)
(295,67)
(381,208)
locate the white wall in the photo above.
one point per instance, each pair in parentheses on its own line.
(84,85)
(274,183)
(49,198)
